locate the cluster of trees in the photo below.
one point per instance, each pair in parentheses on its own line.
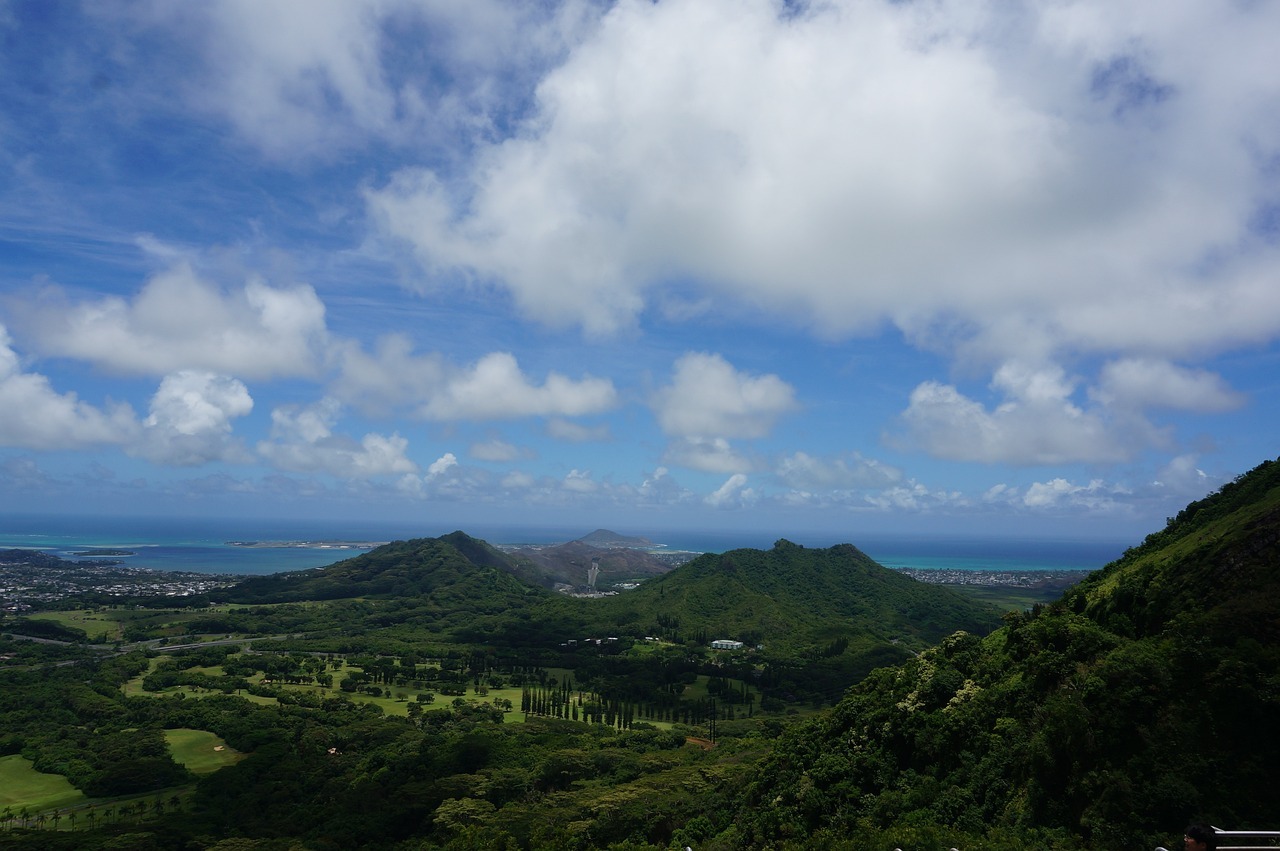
(70,721)
(1145,697)
(345,774)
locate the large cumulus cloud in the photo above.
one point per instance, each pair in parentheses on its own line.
(1071,175)
(179,320)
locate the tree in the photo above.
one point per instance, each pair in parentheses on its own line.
(454,814)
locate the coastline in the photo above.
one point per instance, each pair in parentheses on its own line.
(257,547)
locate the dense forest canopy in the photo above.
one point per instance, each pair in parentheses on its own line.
(425,696)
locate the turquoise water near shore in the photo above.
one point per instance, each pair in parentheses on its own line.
(201,544)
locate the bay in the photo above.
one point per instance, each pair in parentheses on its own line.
(202,544)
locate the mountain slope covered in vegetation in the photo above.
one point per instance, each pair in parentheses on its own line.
(454,567)
(1147,696)
(832,603)
(804,597)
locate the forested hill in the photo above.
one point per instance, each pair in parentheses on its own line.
(1214,563)
(455,568)
(805,597)
(1145,698)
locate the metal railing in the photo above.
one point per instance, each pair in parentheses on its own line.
(1221,834)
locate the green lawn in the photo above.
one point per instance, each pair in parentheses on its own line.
(134,686)
(200,751)
(397,704)
(101,627)
(23,786)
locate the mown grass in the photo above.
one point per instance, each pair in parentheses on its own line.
(200,751)
(101,626)
(401,696)
(22,786)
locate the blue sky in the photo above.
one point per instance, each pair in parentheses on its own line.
(845,267)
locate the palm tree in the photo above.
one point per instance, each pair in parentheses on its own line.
(72,816)
(7,817)
(92,815)
(57,817)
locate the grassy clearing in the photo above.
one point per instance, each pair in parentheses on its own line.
(200,751)
(133,687)
(401,696)
(106,625)
(1009,598)
(23,786)
(100,626)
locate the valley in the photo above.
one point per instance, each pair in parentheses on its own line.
(436,693)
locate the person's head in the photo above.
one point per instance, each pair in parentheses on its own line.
(1199,837)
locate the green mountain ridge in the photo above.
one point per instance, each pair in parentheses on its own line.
(456,570)
(803,595)
(1147,696)
(791,598)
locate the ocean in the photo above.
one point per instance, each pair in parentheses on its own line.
(202,545)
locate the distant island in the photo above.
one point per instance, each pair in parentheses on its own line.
(103,552)
(312,545)
(605,539)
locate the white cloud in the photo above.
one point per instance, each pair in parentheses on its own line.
(1087,171)
(580,481)
(517,480)
(190,420)
(707,397)
(734,493)
(411,485)
(1182,475)
(178,322)
(571,432)
(1059,493)
(915,496)
(661,488)
(333,84)
(1036,423)
(1148,383)
(303,442)
(806,472)
(496,450)
(389,378)
(442,465)
(447,478)
(710,455)
(495,388)
(35,416)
